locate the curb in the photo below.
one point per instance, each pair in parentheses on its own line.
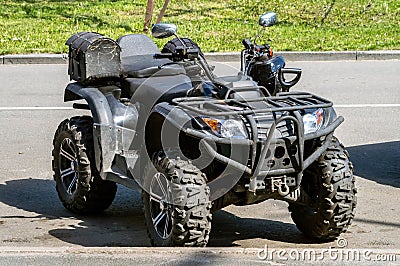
(158,250)
(132,250)
(34,59)
(225,57)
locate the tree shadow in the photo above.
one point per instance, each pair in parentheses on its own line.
(174,12)
(377,162)
(327,11)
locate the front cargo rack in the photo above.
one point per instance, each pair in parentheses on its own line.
(285,101)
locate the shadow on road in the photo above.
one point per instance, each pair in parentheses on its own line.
(123,223)
(228,228)
(120,225)
(377,162)
(33,195)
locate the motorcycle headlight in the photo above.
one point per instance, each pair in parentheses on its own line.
(227,128)
(313,121)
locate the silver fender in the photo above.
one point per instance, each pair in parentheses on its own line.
(114,123)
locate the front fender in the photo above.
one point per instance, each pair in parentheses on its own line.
(170,127)
(172,114)
(164,126)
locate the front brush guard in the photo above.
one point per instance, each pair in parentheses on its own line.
(284,102)
(256,172)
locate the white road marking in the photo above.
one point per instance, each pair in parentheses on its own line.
(34,108)
(44,108)
(373,105)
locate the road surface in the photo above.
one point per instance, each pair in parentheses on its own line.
(34,227)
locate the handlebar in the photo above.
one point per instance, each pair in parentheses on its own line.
(249,45)
(179,54)
(163,55)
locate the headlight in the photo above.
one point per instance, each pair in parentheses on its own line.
(227,128)
(313,121)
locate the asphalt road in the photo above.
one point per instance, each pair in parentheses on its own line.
(36,229)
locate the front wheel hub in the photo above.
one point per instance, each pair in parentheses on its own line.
(160,208)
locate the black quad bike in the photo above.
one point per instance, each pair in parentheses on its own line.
(191,142)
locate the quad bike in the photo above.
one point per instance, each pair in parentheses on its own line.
(191,142)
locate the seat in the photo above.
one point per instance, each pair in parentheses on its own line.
(136,44)
(137,58)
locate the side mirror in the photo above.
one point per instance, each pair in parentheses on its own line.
(163,30)
(267,19)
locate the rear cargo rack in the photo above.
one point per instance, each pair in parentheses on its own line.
(285,101)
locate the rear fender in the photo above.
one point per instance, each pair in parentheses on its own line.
(114,124)
(96,100)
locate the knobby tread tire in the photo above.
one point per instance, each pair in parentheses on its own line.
(330,181)
(191,215)
(92,194)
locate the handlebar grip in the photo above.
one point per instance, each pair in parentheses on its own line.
(247,44)
(163,55)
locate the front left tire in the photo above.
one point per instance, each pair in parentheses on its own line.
(176,203)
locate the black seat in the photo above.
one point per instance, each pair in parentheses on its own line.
(137,58)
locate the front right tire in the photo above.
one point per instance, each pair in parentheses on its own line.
(330,183)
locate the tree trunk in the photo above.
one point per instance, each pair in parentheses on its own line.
(162,12)
(149,14)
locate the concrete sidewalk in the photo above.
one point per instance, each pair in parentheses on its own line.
(225,57)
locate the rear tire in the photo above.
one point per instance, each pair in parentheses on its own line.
(78,183)
(176,203)
(331,184)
